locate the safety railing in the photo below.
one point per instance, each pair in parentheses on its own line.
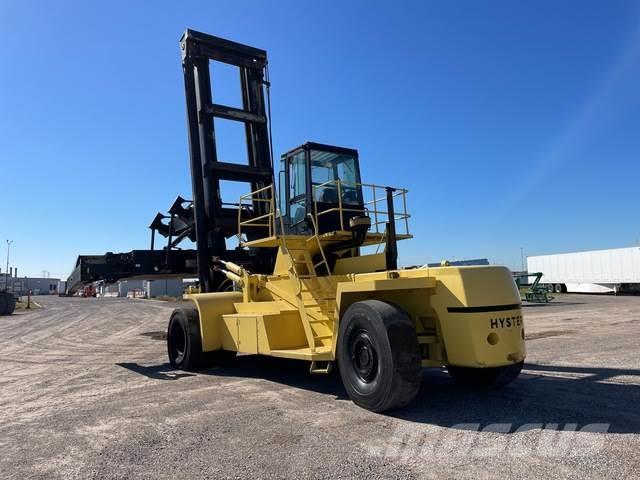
(374,203)
(248,202)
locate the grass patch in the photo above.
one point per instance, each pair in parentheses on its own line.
(23,305)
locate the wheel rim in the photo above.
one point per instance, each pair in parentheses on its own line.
(363,355)
(178,342)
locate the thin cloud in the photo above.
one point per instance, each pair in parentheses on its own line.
(608,100)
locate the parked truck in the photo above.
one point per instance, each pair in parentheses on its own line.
(597,271)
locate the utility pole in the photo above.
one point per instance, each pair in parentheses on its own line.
(6,272)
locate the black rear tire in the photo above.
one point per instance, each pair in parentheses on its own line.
(184,344)
(378,356)
(488,378)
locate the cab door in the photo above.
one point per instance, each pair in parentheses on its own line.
(297,189)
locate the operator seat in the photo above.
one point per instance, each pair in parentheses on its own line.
(297,213)
(329,195)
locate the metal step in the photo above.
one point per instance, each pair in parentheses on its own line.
(322,353)
(427,339)
(320,367)
(323,337)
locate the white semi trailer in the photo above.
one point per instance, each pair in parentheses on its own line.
(597,271)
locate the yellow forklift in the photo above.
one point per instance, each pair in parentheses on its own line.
(312,274)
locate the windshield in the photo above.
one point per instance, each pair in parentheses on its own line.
(329,167)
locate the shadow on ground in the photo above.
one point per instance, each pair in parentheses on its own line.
(156,372)
(155,335)
(543,394)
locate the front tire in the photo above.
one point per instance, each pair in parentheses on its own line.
(184,344)
(488,378)
(378,356)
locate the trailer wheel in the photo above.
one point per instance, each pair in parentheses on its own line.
(184,344)
(378,356)
(558,288)
(495,377)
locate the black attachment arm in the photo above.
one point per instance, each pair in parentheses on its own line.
(212,225)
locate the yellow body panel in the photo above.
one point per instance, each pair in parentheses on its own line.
(463,304)
(229,328)
(465,316)
(366,263)
(211,307)
(242,329)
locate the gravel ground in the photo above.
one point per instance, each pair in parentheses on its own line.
(87,393)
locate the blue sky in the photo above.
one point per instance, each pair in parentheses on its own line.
(513,124)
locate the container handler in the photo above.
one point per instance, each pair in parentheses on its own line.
(313,275)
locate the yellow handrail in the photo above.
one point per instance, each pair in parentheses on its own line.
(248,200)
(315,235)
(372,206)
(373,202)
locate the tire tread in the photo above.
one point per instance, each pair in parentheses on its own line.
(403,347)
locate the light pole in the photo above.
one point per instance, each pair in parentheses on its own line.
(6,272)
(522,258)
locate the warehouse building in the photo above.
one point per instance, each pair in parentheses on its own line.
(22,285)
(170,287)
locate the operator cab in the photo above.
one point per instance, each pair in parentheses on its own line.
(322,181)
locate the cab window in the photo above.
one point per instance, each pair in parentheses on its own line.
(297,188)
(327,168)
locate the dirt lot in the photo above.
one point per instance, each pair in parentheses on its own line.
(86,393)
